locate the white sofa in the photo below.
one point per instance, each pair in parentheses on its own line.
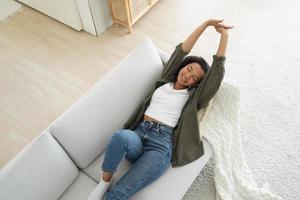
(64,161)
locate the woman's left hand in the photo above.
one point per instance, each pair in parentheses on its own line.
(217,23)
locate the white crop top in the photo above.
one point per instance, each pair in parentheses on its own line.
(167,103)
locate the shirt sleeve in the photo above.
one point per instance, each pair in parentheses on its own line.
(172,65)
(211,82)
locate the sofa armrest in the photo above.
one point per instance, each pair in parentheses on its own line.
(42,170)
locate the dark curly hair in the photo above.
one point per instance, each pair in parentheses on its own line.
(190,59)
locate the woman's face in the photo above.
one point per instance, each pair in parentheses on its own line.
(190,74)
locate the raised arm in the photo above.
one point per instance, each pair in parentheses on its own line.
(223,41)
(182,49)
(212,80)
(189,43)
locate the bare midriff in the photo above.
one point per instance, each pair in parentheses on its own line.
(147,118)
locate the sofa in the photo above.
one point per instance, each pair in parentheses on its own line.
(64,161)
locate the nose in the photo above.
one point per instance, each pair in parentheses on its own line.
(186,77)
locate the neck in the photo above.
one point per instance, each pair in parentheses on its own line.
(178,86)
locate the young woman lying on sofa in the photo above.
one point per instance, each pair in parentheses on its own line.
(162,131)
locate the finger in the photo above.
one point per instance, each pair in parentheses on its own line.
(217,20)
(225,26)
(219,26)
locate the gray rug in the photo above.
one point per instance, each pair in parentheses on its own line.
(264,57)
(203,187)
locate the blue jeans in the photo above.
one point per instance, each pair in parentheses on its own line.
(148,148)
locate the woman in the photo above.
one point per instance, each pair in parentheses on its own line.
(148,144)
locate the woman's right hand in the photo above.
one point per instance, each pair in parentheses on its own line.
(221,30)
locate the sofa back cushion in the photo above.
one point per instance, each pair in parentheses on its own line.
(86,127)
(42,170)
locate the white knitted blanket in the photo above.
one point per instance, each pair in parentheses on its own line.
(219,124)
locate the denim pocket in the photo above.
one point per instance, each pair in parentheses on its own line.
(166,129)
(166,133)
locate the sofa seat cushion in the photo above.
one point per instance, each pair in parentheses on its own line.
(85,128)
(173,184)
(95,172)
(42,170)
(80,189)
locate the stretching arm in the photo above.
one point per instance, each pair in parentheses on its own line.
(193,37)
(182,49)
(212,80)
(222,45)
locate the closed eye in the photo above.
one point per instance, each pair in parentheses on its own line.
(190,69)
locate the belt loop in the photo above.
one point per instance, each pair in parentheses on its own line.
(152,124)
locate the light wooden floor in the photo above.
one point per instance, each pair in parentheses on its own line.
(45,66)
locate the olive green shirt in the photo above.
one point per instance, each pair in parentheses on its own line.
(187,145)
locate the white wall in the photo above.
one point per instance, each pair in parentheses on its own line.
(65,11)
(92,16)
(8,7)
(101,15)
(95,15)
